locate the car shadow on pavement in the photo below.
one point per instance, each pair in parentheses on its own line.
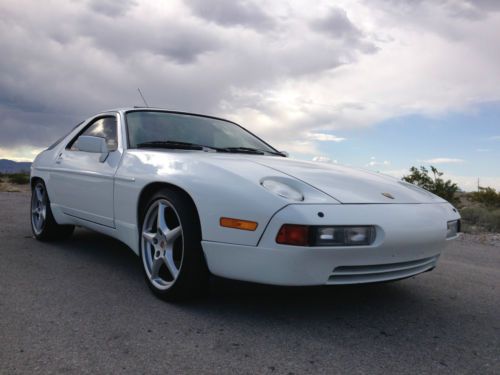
(102,250)
(235,298)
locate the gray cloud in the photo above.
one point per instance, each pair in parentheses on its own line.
(67,61)
(419,10)
(112,8)
(33,127)
(178,41)
(232,13)
(64,61)
(337,25)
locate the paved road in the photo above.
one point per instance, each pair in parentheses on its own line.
(81,306)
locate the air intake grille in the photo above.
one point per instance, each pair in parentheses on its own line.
(380,272)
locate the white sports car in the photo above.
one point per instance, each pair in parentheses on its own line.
(194,195)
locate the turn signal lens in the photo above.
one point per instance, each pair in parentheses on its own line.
(238,224)
(291,234)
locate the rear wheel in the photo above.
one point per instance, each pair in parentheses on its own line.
(43,224)
(170,249)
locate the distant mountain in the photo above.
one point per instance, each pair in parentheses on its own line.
(11,166)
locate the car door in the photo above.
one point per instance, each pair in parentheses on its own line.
(82,183)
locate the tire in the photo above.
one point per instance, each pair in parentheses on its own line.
(170,247)
(43,224)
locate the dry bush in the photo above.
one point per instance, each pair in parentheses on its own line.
(482,217)
(19,178)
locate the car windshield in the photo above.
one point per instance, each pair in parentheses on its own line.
(155,128)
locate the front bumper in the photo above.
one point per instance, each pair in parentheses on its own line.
(410,238)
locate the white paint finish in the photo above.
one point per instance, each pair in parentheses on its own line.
(92,144)
(350,185)
(220,185)
(83,185)
(404,233)
(104,197)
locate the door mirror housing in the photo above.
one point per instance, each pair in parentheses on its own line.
(285,153)
(96,145)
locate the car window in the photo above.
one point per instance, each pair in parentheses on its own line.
(104,127)
(53,145)
(152,126)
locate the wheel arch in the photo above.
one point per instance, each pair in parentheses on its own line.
(151,188)
(34,180)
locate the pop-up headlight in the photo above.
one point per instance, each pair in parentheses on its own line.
(283,190)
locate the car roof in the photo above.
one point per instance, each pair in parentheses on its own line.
(157,109)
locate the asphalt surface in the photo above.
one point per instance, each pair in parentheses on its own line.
(82,306)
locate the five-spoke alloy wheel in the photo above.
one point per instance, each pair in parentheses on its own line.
(38,208)
(170,246)
(162,241)
(43,224)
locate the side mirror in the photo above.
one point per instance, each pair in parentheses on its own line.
(286,154)
(96,145)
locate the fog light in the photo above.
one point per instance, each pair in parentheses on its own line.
(453,228)
(343,236)
(358,236)
(302,235)
(325,236)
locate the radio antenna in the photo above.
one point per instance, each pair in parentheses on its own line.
(142,96)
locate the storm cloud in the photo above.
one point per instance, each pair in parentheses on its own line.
(283,69)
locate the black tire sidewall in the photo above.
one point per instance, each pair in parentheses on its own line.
(51,230)
(193,274)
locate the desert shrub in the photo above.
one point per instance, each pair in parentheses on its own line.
(486,196)
(435,184)
(483,217)
(19,178)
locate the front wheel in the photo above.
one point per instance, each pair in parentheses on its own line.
(43,224)
(170,245)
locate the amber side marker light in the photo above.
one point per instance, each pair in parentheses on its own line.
(238,224)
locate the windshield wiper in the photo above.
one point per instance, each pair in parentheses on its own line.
(243,150)
(194,146)
(173,145)
(249,150)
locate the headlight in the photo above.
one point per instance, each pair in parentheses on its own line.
(453,228)
(283,190)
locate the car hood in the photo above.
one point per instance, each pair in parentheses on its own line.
(350,185)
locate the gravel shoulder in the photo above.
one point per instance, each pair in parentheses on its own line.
(82,307)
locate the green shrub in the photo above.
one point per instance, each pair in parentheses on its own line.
(481,216)
(435,184)
(19,178)
(486,196)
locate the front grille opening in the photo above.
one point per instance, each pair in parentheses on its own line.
(380,272)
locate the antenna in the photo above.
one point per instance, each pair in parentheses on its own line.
(142,96)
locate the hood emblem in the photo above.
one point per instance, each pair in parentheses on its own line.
(388,195)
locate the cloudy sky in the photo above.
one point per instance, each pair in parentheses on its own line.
(379,84)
